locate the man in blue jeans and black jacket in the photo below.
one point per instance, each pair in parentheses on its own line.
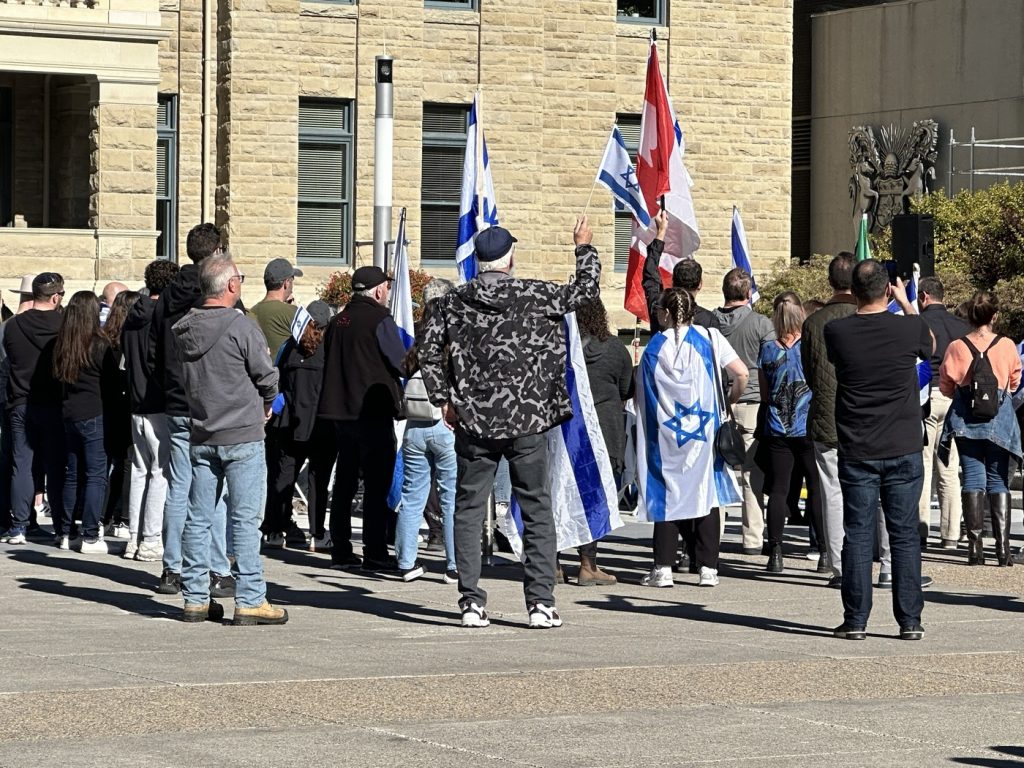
(881,435)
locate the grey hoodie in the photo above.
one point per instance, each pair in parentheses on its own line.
(229,379)
(746,331)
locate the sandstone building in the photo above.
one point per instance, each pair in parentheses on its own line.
(125,122)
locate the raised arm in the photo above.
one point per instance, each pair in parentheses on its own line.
(559,300)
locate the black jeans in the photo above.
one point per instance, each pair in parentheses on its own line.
(786,452)
(285,458)
(368,446)
(528,468)
(705,534)
(37,431)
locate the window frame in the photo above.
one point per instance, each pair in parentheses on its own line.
(659,19)
(453,5)
(621,264)
(443,140)
(167,133)
(345,138)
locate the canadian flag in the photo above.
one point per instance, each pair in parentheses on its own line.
(661,174)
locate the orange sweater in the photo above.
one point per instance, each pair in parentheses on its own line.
(956,365)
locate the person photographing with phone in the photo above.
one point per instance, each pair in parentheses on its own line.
(880,434)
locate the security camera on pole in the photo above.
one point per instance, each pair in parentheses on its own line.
(383,159)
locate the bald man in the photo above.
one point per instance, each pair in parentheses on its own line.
(110,291)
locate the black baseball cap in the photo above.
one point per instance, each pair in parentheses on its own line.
(493,243)
(365,278)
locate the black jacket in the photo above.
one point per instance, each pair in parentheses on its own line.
(145,391)
(29,339)
(610,373)
(819,373)
(653,288)
(494,349)
(946,327)
(300,384)
(362,362)
(96,387)
(174,303)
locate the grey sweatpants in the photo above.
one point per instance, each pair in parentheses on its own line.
(150,467)
(528,467)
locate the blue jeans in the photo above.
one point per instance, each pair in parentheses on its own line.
(37,431)
(502,483)
(426,446)
(86,458)
(176,504)
(898,481)
(986,466)
(242,469)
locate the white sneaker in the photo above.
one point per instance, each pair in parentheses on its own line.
(64,542)
(813,555)
(42,510)
(150,552)
(118,531)
(323,544)
(18,538)
(93,547)
(544,617)
(474,615)
(130,549)
(658,577)
(708,577)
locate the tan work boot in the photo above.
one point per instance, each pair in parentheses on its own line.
(592,576)
(264,614)
(196,613)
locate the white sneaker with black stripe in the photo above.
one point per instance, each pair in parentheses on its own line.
(544,617)
(474,615)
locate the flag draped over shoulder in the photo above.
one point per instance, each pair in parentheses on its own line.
(478,209)
(400,304)
(617,173)
(584,499)
(661,173)
(677,416)
(924,367)
(741,251)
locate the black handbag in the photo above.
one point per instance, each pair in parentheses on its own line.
(729,445)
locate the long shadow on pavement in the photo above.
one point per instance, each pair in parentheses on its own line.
(995,762)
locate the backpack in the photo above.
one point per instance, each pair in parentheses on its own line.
(985,395)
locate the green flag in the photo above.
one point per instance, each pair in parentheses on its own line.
(863,248)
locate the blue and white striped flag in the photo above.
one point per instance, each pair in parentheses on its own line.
(477,189)
(924,367)
(584,499)
(677,416)
(400,305)
(741,251)
(618,174)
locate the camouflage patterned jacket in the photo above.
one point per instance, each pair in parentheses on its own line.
(495,350)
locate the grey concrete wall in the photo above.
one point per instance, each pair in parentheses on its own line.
(959,62)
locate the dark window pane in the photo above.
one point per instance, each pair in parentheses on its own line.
(320,231)
(321,171)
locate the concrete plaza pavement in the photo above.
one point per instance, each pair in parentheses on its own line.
(371,671)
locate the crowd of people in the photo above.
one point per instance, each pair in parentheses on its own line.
(179,419)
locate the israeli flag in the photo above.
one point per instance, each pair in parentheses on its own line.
(678,414)
(924,367)
(1018,395)
(477,189)
(584,499)
(400,304)
(618,174)
(741,251)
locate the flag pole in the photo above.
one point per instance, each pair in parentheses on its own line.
(480,220)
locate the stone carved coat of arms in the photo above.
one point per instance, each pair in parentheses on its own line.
(888,171)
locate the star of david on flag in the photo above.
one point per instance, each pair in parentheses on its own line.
(689,412)
(617,173)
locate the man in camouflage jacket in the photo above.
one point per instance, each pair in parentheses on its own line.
(492,354)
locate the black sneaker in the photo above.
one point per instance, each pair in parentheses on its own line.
(222,586)
(824,563)
(411,574)
(295,537)
(926,581)
(35,531)
(372,565)
(170,583)
(845,632)
(836,582)
(451,577)
(435,544)
(913,632)
(345,562)
(884,581)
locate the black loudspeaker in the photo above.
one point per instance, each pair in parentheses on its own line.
(913,242)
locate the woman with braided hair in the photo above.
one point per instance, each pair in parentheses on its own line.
(680,406)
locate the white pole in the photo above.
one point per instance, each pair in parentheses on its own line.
(383,159)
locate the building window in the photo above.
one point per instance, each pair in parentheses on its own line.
(629,127)
(444,147)
(458,5)
(167,176)
(325,180)
(6,155)
(643,11)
